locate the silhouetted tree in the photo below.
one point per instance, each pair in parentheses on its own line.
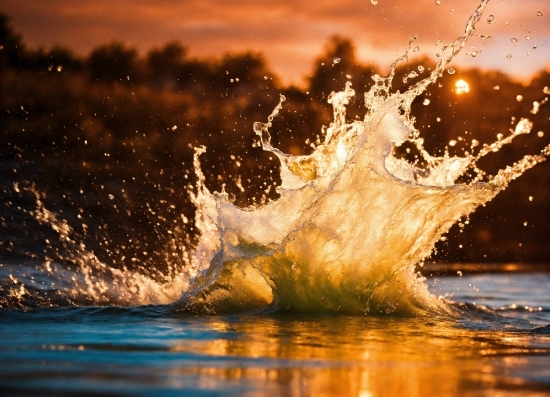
(55,59)
(115,62)
(12,48)
(165,64)
(336,66)
(542,79)
(247,68)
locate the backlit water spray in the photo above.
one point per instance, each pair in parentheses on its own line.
(353,222)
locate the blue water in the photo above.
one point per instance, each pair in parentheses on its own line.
(499,345)
(509,297)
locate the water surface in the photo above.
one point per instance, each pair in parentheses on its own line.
(501,348)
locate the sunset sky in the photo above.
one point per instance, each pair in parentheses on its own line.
(290,33)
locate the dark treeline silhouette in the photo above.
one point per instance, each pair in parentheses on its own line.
(109,138)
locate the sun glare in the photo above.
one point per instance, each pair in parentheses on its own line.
(461,87)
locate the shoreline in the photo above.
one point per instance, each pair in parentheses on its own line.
(452,269)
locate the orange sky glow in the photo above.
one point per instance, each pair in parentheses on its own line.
(291,34)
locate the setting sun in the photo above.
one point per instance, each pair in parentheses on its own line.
(462,87)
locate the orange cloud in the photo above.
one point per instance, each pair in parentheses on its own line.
(292,33)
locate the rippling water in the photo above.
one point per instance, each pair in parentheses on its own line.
(499,345)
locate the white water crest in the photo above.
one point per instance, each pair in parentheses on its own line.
(353,220)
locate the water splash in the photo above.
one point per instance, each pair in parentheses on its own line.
(353,220)
(72,274)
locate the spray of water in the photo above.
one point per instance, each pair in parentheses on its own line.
(352,223)
(72,274)
(353,220)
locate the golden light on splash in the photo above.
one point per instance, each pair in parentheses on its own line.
(462,87)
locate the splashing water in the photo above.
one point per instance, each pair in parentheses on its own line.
(74,275)
(352,221)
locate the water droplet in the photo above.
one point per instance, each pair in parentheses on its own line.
(525,223)
(336,60)
(437,2)
(59,68)
(534,47)
(374,2)
(451,71)
(416,49)
(496,88)
(452,142)
(540,134)
(426,102)
(452,10)
(546,90)
(514,40)
(530,198)
(509,56)
(474,53)
(438,42)
(527,38)
(490,19)
(420,68)
(539,13)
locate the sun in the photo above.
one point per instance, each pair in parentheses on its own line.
(462,87)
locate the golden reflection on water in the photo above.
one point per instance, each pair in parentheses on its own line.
(355,356)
